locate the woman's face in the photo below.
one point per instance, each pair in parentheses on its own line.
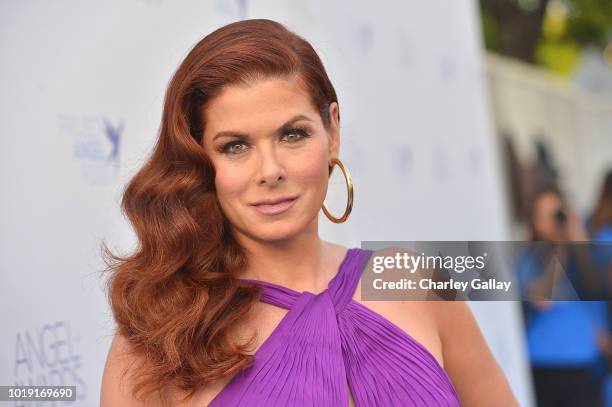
(544,219)
(268,143)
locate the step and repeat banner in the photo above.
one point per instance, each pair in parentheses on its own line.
(82,90)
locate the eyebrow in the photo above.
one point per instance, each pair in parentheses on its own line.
(231,133)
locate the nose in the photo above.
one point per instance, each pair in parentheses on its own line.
(270,170)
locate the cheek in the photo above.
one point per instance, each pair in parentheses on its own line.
(312,167)
(543,224)
(229,182)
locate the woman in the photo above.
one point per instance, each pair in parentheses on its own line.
(562,336)
(227,209)
(600,228)
(600,224)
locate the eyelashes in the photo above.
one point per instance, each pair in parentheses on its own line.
(237,147)
(227,148)
(301,131)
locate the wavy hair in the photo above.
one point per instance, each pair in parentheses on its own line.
(175,298)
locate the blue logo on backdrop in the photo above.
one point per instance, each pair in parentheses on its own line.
(114,136)
(96,142)
(46,356)
(237,9)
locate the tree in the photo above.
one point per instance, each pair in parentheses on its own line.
(546,32)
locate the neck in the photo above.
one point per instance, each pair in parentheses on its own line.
(300,263)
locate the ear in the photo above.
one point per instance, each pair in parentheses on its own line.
(334,130)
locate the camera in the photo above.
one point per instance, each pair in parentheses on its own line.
(560,217)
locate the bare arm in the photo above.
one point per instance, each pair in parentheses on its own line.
(477,377)
(116,386)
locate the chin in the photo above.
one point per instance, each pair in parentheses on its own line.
(276,232)
(273,235)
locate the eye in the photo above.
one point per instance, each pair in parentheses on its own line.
(295,134)
(234,147)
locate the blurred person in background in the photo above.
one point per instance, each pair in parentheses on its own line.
(562,336)
(600,228)
(600,224)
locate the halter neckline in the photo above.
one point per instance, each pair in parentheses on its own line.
(295,293)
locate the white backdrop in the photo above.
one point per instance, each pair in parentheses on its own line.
(82,85)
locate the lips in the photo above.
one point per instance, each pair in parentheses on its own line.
(274,206)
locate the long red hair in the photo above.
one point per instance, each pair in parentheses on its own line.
(175,298)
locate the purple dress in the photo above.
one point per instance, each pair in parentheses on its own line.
(328,340)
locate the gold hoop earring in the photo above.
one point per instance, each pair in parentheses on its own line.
(349,190)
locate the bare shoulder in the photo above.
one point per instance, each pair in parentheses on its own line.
(117,385)
(475,373)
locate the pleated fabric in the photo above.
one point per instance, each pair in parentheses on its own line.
(329,344)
